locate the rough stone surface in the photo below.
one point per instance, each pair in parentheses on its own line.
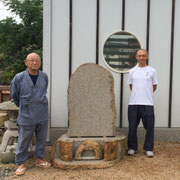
(8,105)
(98,164)
(7,157)
(122,147)
(89,145)
(91,102)
(110,150)
(66,150)
(3,117)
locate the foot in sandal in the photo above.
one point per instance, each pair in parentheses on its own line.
(42,163)
(21,170)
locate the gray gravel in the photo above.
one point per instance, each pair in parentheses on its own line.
(5,172)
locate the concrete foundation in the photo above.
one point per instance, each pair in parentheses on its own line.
(161,134)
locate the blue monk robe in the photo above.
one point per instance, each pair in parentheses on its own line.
(31,100)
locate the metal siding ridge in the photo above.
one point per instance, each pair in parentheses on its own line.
(148,24)
(122,75)
(70,38)
(97,33)
(171,64)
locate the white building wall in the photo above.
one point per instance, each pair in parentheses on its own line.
(56,49)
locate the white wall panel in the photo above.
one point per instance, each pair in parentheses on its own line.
(47,43)
(135,23)
(47,50)
(176,71)
(60,63)
(110,21)
(84,32)
(159,56)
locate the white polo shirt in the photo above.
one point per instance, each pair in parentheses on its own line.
(142,80)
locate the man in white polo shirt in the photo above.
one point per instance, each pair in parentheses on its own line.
(142,81)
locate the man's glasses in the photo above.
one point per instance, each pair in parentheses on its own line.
(32,60)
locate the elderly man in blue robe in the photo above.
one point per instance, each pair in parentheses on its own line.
(28,90)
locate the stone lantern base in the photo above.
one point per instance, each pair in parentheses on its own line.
(9,143)
(88,152)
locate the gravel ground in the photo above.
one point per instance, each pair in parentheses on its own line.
(164,166)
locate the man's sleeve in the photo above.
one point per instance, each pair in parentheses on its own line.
(14,91)
(46,79)
(129,78)
(155,81)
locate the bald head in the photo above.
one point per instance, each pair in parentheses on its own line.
(33,56)
(143,51)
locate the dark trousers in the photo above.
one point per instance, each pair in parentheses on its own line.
(24,139)
(146,113)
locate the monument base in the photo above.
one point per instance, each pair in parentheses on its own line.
(88,152)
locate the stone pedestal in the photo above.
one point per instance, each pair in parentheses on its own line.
(9,140)
(88,153)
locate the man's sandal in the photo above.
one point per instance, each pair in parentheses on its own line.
(20,172)
(43,165)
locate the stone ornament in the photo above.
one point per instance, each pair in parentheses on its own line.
(89,146)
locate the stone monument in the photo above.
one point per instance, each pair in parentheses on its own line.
(91,140)
(91,102)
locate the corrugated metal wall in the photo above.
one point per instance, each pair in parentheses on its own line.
(75,31)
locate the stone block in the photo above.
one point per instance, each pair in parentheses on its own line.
(110,150)
(66,150)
